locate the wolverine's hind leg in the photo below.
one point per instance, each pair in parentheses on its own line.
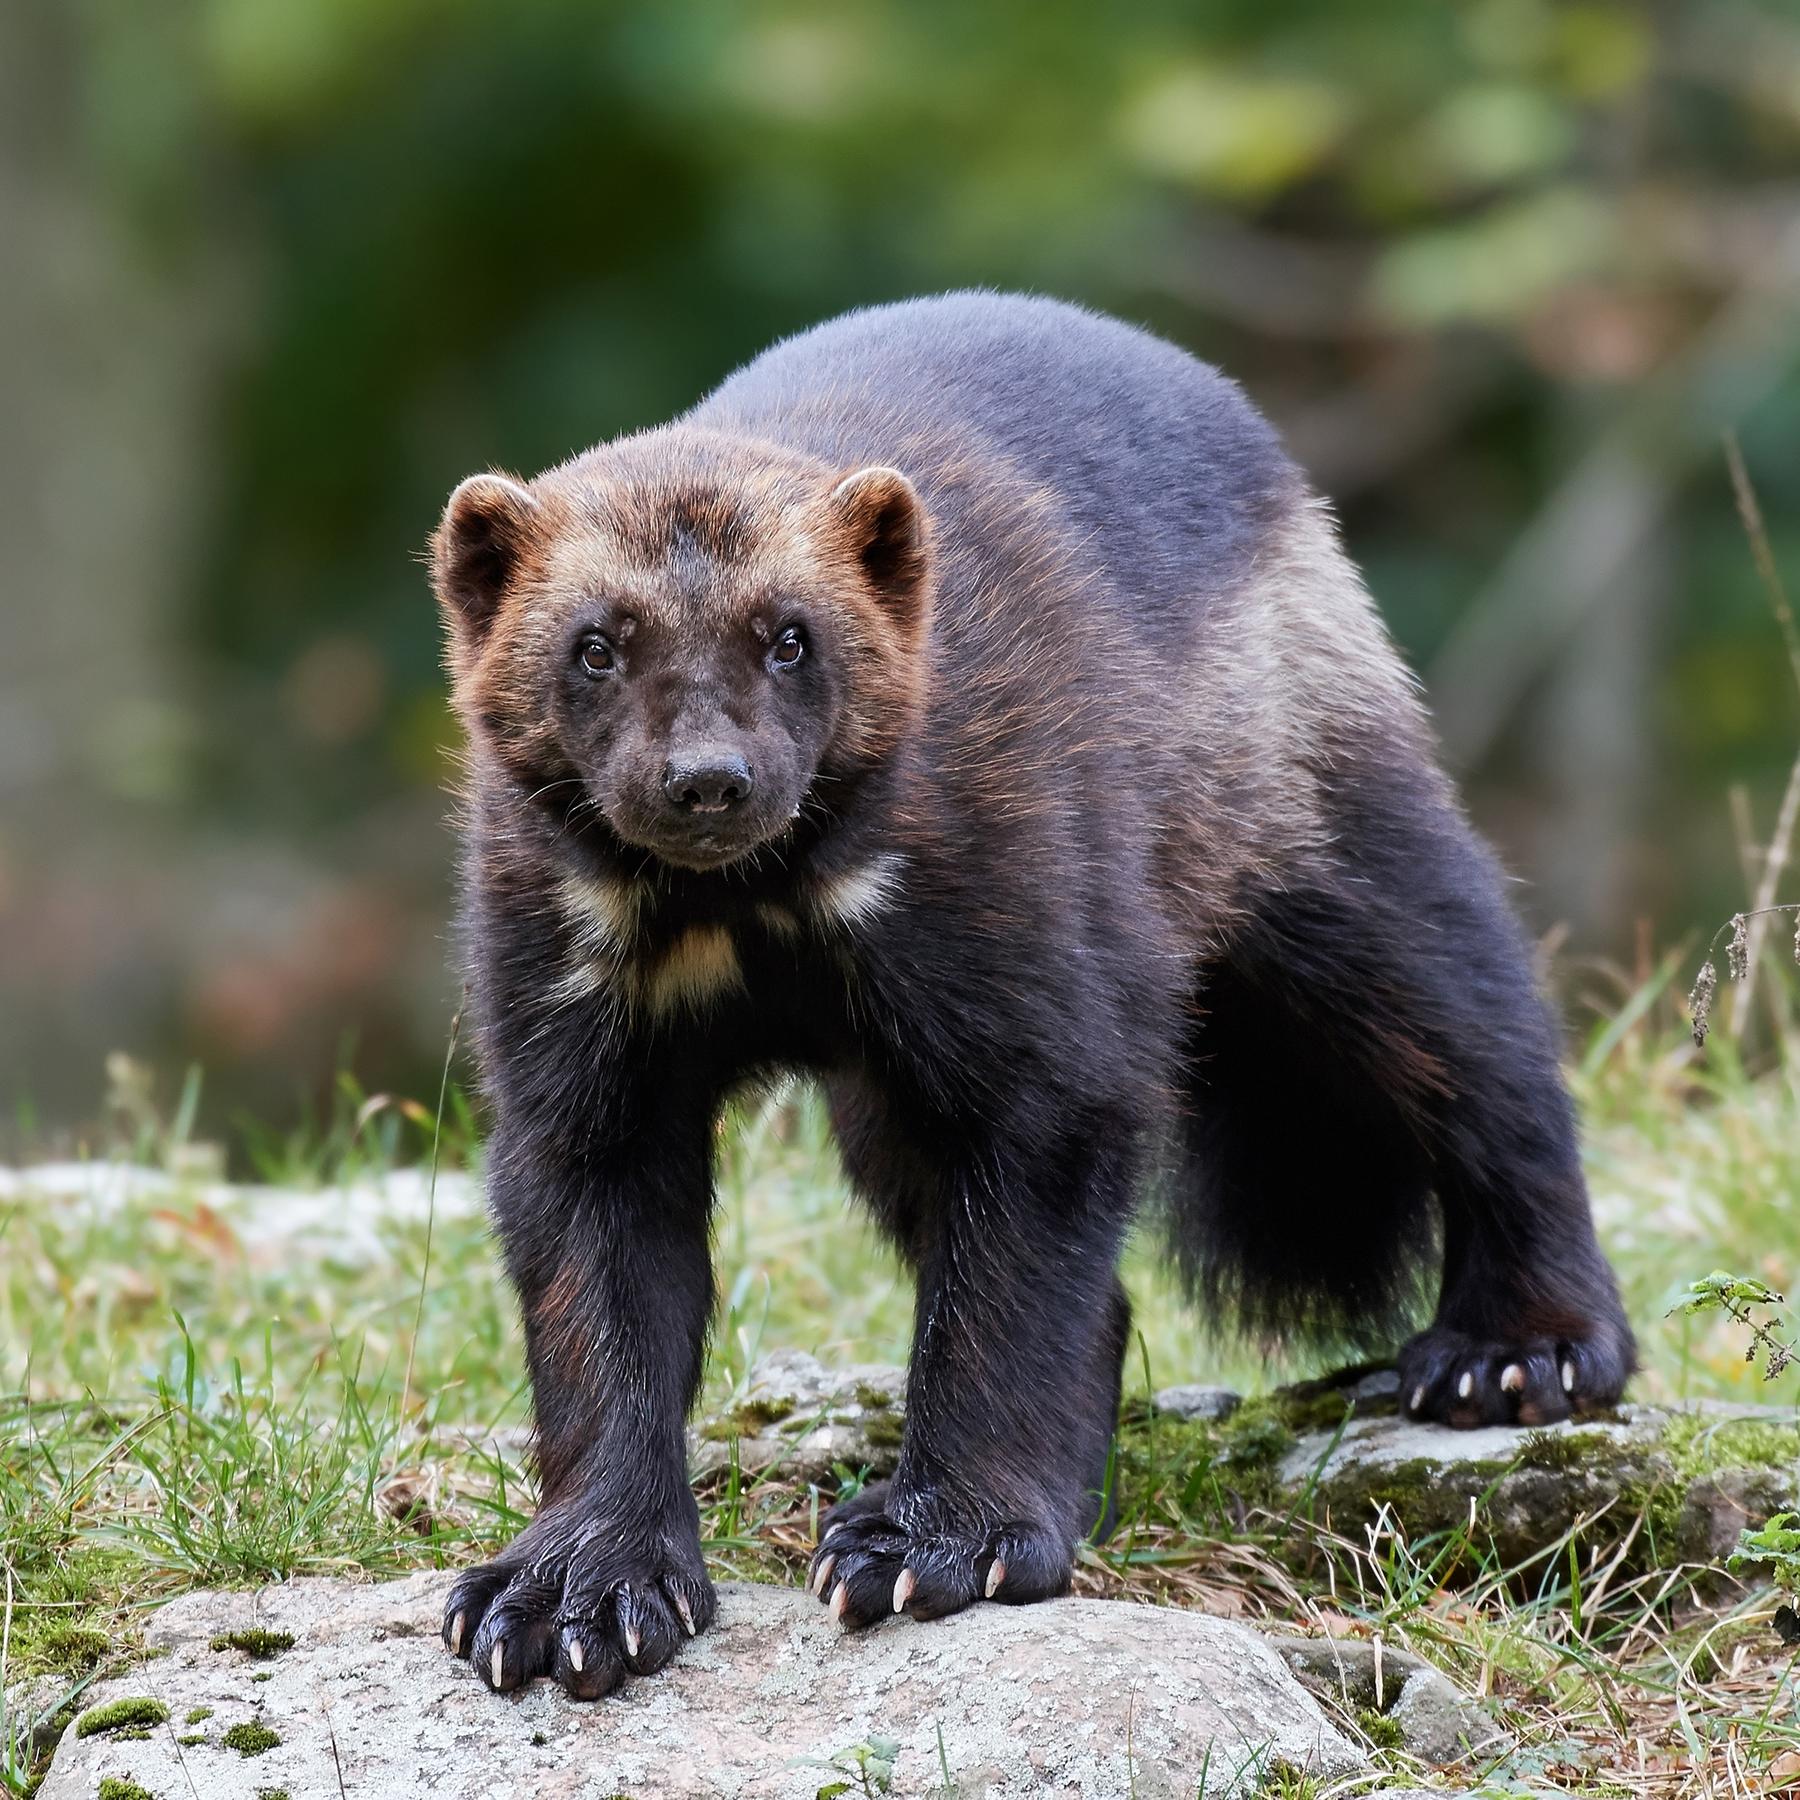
(1372,1037)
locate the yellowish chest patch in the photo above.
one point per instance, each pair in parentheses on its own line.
(609,948)
(696,969)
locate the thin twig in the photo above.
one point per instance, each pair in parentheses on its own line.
(337,1762)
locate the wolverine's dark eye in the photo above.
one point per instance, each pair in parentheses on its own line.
(596,656)
(788,648)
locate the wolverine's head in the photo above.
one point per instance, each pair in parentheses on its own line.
(694,629)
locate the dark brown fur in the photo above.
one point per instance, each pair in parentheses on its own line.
(969,706)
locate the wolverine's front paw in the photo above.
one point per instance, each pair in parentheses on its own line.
(583,1602)
(1460,1379)
(911,1558)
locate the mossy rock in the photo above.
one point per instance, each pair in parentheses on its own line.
(754,1417)
(1337,1447)
(122,1787)
(1694,1478)
(250,1738)
(255,1640)
(807,1420)
(884,1433)
(72,1648)
(130,1717)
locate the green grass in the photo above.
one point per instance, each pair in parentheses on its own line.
(177,1410)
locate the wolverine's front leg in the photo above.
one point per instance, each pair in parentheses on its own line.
(1012,1389)
(606,1243)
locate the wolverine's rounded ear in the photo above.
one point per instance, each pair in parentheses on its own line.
(886,521)
(485,527)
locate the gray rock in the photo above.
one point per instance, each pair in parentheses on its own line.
(1435,1724)
(1084,1698)
(1376,1384)
(1193,1401)
(1439,1725)
(806,1420)
(31,1708)
(1386,1442)
(1708,1470)
(1437,1793)
(345,1222)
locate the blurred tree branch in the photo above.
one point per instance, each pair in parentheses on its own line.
(1584,533)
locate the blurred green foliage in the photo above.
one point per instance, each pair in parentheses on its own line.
(1478,260)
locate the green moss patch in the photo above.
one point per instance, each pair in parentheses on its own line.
(1700,1445)
(1256,1436)
(251,1738)
(1566,1450)
(750,1418)
(1313,1408)
(1381,1731)
(122,1787)
(71,1648)
(71,1619)
(122,1718)
(255,1640)
(197,1714)
(883,1429)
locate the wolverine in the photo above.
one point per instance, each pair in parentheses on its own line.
(968,706)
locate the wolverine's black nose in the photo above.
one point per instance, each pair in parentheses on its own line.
(709,780)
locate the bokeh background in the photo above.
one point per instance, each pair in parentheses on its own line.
(279,272)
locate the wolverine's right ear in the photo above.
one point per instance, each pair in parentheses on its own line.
(886,521)
(476,547)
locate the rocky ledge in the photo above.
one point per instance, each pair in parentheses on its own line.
(296,1689)
(1339,1449)
(322,1688)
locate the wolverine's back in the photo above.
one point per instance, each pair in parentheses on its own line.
(1156,463)
(1122,547)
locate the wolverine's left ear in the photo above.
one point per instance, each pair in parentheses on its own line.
(476,548)
(882,512)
